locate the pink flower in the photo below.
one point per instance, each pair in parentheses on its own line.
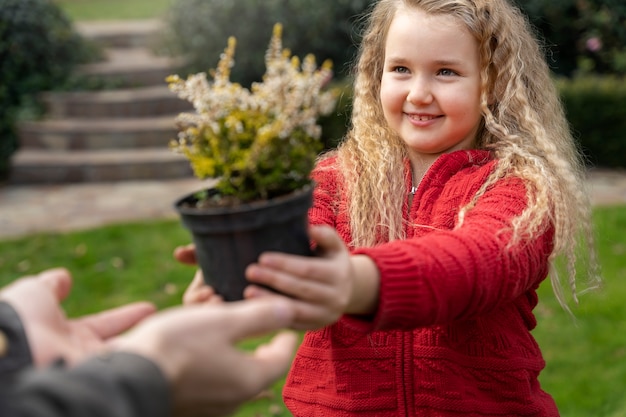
(594,44)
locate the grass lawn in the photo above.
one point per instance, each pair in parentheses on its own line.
(113,9)
(586,358)
(118,264)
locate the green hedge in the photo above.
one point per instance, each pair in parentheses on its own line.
(335,125)
(596,109)
(38,51)
(582,36)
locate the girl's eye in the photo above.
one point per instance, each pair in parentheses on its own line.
(447,72)
(401,70)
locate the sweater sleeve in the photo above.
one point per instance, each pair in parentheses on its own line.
(117,385)
(448,275)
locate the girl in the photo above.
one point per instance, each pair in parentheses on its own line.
(452,194)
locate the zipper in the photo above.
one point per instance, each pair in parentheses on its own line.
(409,202)
(407,390)
(411,194)
(406,354)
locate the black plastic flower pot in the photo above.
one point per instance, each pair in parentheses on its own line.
(228,239)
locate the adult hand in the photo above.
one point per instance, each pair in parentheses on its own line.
(36,299)
(195,346)
(324,287)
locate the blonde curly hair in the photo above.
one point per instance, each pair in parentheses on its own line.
(523,125)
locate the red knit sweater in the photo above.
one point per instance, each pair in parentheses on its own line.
(451,336)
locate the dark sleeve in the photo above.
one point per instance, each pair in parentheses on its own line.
(14,351)
(116,385)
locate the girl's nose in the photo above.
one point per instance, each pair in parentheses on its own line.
(420,91)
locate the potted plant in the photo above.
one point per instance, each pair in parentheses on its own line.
(259,144)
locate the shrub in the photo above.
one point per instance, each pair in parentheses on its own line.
(259,142)
(198,29)
(596,109)
(38,50)
(582,36)
(335,125)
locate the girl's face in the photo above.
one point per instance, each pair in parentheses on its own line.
(430,87)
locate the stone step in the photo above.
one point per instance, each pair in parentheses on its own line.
(132,67)
(46,167)
(123,103)
(115,135)
(93,134)
(121,33)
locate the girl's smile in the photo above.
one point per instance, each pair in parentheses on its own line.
(430,87)
(422,120)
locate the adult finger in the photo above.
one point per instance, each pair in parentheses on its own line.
(112,322)
(59,280)
(56,281)
(249,318)
(273,359)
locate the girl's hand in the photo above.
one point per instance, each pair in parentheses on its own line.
(324,287)
(186,254)
(198,292)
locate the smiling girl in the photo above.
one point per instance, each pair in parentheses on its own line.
(437,219)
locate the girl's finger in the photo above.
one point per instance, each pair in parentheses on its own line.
(314,269)
(254,291)
(330,246)
(327,239)
(186,254)
(292,285)
(197,292)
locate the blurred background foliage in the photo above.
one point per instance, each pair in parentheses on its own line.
(38,50)
(582,36)
(199,30)
(585,44)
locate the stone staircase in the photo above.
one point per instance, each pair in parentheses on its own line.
(113,135)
